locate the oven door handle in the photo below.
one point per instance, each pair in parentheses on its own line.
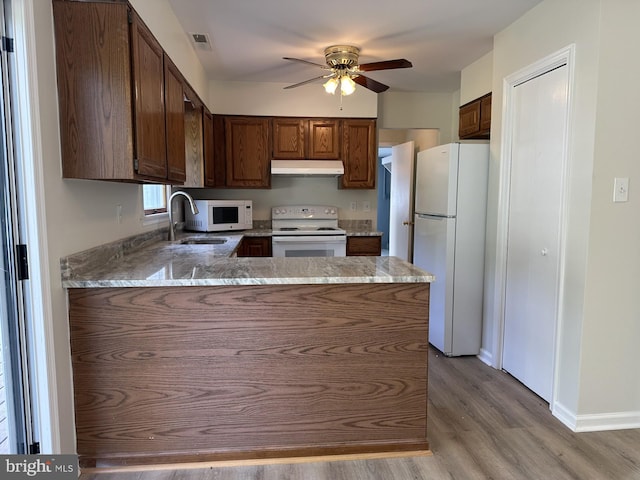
(307,239)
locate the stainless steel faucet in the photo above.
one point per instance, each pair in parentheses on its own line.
(194,210)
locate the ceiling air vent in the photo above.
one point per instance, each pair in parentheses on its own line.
(201,41)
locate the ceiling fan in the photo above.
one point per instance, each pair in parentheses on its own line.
(344,71)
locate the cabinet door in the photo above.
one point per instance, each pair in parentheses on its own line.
(148,76)
(93,62)
(359,246)
(255,247)
(485,114)
(288,138)
(324,139)
(359,153)
(175,122)
(207,145)
(219,153)
(247,151)
(469,119)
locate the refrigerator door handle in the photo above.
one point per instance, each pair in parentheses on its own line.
(427,215)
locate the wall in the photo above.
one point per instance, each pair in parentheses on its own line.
(247,98)
(476,79)
(597,385)
(420,110)
(289,190)
(609,379)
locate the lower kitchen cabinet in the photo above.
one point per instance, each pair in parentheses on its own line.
(358,246)
(255,247)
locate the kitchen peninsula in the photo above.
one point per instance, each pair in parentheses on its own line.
(182,352)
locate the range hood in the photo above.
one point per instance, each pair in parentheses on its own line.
(331,168)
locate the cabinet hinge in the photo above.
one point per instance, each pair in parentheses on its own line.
(129,16)
(22,261)
(7,44)
(34,448)
(136,164)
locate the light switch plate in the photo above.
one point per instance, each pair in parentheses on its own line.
(620,189)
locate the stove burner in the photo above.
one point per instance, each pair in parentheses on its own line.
(289,229)
(326,228)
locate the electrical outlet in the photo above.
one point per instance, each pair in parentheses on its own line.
(620,189)
(366,206)
(354,206)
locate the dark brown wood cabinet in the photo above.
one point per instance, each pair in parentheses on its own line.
(324,139)
(475,119)
(255,247)
(303,138)
(248,152)
(174,93)
(113,87)
(289,138)
(359,153)
(208,149)
(360,245)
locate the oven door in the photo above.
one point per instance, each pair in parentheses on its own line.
(309,246)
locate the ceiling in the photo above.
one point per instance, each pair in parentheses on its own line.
(248,38)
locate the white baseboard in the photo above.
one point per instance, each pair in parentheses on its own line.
(596,422)
(485,356)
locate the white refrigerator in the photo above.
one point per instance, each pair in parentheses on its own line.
(449,238)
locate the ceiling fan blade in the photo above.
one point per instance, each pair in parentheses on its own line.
(371,84)
(308,81)
(386,65)
(305,61)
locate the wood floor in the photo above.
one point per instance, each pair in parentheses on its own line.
(483,425)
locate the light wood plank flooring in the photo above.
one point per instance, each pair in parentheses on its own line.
(483,424)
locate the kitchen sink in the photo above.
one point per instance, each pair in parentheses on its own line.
(202,241)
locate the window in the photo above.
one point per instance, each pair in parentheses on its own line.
(154,199)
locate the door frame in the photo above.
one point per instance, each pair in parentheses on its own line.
(31,198)
(565,56)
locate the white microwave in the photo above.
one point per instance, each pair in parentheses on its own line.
(220,216)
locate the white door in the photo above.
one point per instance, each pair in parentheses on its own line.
(401,201)
(533,242)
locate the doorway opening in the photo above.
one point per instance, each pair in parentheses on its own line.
(423,139)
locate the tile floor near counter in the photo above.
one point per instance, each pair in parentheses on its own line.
(482,424)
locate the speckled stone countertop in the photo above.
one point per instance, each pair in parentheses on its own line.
(151,261)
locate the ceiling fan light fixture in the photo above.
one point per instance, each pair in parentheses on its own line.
(331,85)
(347,85)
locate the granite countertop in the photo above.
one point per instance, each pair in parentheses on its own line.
(149,260)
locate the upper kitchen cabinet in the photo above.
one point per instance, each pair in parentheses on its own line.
(194,144)
(177,123)
(248,151)
(359,153)
(289,138)
(118,96)
(324,139)
(475,119)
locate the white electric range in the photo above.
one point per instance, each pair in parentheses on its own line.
(307,231)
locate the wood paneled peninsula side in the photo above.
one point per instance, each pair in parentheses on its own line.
(182,352)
